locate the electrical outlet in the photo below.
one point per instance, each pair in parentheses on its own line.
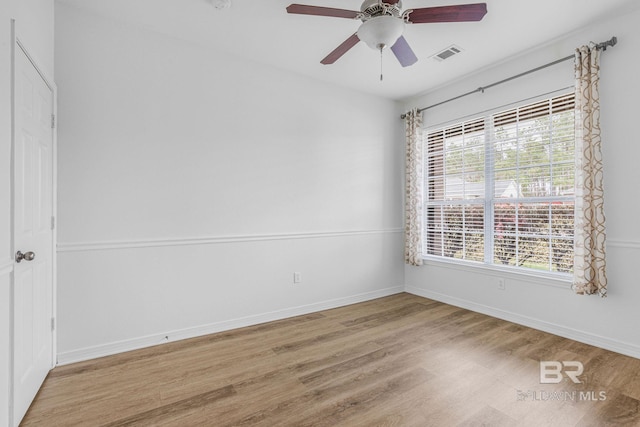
(297,277)
(501,284)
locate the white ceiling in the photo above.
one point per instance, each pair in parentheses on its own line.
(261,30)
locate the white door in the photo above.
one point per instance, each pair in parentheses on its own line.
(33,236)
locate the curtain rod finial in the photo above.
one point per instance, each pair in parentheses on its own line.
(609,43)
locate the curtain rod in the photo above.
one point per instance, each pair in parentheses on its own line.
(600,46)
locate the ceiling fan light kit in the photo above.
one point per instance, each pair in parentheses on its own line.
(383,24)
(381,31)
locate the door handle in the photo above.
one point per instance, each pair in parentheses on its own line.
(27,256)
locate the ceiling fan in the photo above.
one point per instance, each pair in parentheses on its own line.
(383,23)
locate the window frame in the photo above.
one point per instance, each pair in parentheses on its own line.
(488,263)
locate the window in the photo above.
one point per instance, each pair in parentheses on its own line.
(499,189)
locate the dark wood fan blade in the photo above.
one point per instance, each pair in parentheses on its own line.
(459,13)
(341,50)
(403,52)
(303,9)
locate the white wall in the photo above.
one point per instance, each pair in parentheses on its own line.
(34,26)
(546,304)
(192,184)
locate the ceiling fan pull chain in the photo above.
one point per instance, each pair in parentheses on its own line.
(381,77)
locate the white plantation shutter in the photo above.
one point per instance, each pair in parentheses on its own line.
(455,191)
(509,176)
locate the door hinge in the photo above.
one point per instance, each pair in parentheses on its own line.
(53,121)
(53,222)
(53,323)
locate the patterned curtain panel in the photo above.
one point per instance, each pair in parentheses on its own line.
(589,256)
(413,190)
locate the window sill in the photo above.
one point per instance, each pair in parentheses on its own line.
(556,280)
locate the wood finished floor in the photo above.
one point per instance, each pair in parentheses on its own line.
(402,360)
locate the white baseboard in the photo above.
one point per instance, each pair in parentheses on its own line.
(176,335)
(576,335)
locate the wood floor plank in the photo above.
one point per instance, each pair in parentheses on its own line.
(156,415)
(488,416)
(363,400)
(618,410)
(402,360)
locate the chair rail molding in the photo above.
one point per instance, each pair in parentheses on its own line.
(631,244)
(213,240)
